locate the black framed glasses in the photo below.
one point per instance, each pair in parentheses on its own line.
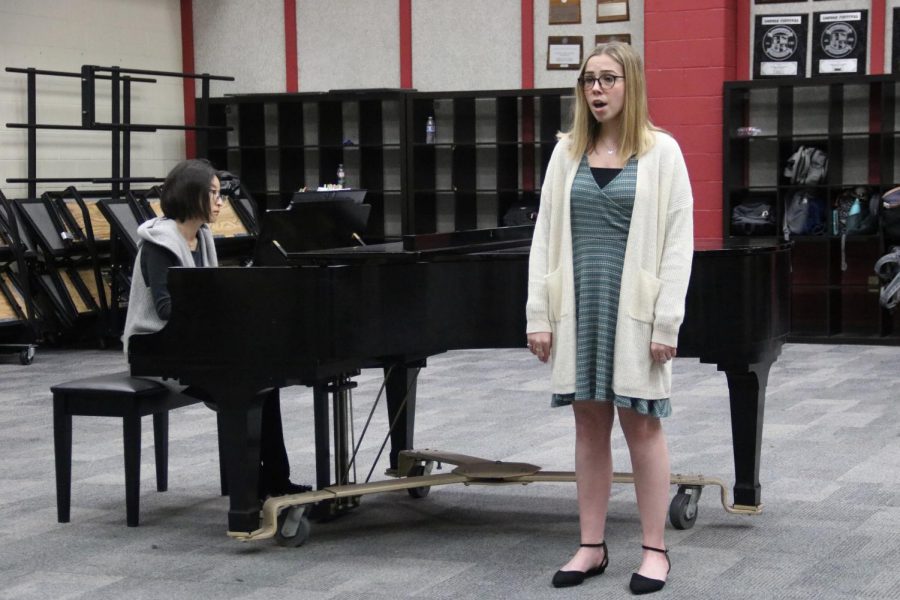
(606,81)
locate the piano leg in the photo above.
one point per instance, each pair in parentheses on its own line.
(747,393)
(240,417)
(323,439)
(401,384)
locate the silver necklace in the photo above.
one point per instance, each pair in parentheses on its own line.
(609,150)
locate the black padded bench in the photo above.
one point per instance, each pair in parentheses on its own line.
(116,395)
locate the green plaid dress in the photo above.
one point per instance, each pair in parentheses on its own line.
(600,222)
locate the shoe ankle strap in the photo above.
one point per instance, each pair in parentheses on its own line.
(600,545)
(661,551)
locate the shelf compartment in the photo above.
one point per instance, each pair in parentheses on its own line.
(810,263)
(860,311)
(252,125)
(861,253)
(810,311)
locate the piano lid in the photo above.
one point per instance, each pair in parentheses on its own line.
(422,246)
(740,245)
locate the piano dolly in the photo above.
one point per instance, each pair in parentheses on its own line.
(286,517)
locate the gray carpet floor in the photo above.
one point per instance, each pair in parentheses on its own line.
(830,485)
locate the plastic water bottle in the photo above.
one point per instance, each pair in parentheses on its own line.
(430,130)
(340,175)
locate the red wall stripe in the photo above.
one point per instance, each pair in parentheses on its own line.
(528,175)
(876,60)
(876,67)
(187,66)
(290,45)
(405,43)
(527,44)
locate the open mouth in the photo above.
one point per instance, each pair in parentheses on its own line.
(598,104)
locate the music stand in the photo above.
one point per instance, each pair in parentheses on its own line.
(310,225)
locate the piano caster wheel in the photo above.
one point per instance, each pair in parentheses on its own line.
(418,471)
(683,509)
(293,527)
(26,356)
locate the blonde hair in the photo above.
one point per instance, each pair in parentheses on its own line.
(637,136)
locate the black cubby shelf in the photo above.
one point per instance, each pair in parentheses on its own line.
(491,150)
(283,142)
(852,119)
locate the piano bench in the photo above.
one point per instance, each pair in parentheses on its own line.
(116,395)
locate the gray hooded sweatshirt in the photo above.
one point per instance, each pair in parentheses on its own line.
(142,317)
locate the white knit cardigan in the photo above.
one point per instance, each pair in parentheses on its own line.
(655,273)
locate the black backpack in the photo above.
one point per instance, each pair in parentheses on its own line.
(753,218)
(858,211)
(520,215)
(857,214)
(804,214)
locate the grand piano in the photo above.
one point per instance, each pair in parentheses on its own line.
(323,315)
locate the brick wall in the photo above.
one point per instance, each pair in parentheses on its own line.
(689,51)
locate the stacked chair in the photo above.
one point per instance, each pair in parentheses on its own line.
(66,259)
(62,231)
(123,216)
(17,318)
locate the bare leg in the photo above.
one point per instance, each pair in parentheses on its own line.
(650,464)
(593,475)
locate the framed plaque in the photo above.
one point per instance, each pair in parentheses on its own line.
(839,42)
(613,37)
(565,12)
(612,10)
(564,53)
(779,46)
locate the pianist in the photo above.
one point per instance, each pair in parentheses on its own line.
(191,199)
(608,273)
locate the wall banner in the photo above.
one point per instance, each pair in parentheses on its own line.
(779,48)
(839,42)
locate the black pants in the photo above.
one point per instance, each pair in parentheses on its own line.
(274,467)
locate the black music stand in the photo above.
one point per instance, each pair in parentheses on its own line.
(310,225)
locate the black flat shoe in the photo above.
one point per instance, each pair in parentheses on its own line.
(284,489)
(645,585)
(570,578)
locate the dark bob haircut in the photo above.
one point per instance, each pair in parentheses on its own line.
(185,193)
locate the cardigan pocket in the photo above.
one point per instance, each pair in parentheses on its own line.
(643,304)
(554,285)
